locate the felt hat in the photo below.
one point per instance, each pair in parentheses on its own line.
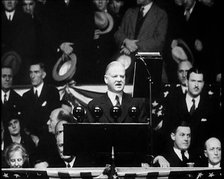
(11,59)
(124,60)
(180,51)
(103,21)
(65,67)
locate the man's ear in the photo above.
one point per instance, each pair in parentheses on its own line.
(44,74)
(205,153)
(172,136)
(105,79)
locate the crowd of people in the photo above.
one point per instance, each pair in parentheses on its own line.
(32,124)
(99,31)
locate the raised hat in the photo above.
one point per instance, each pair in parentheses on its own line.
(180,51)
(103,21)
(11,59)
(65,67)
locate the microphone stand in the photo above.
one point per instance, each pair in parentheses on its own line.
(150,104)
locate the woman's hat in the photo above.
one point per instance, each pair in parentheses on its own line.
(180,51)
(65,67)
(11,59)
(103,21)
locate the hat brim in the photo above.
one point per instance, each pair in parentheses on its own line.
(110,25)
(13,60)
(181,51)
(65,67)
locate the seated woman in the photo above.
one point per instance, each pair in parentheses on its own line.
(14,132)
(16,156)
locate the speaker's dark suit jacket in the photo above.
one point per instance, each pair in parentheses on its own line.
(13,105)
(105,104)
(201,122)
(37,111)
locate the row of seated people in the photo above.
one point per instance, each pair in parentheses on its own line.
(39,115)
(53,25)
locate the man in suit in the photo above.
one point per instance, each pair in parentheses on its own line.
(116,97)
(10,99)
(180,89)
(47,150)
(196,107)
(17,34)
(178,155)
(39,101)
(143,29)
(148,35)
(69,161)
(213,152)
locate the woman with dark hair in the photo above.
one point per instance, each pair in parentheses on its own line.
(16,156)
(14,133)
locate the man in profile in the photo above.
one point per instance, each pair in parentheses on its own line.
(116,97)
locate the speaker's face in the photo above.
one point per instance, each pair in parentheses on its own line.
(115,78)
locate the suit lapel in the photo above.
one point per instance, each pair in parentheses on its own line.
(107,105)
(149,19)
(126,101)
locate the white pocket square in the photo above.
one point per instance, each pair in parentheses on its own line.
(203,120)
(44,103)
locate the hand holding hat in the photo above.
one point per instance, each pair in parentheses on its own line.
(104,22)
(66,47)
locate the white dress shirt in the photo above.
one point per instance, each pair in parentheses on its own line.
(10,15)
(112,97)
(190,103)
(7,96)
(178,152)
(38,89)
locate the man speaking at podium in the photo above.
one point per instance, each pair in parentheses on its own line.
(115,106)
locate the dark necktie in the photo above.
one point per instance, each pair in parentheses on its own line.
(192,107)
(68,165)
(117,101)
(139,21)
(184,158)
(5,98)
(36,94)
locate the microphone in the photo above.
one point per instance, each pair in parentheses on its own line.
(115,112)
(97,112)
(133,112)
(79,112)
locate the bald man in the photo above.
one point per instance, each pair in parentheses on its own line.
(114,78)
(213,152)
(47,148)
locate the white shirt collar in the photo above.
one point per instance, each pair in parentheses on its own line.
(38,88)
(146,8)
(7,95)
(191,9)
(10,14)
(178,152)
(189,101)
(112,96)
(214,166)
(184,89)
(71,163)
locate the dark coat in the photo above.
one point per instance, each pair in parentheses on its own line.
(14,104)
(37,112)
(174,160)
(201,121)
(105,104)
